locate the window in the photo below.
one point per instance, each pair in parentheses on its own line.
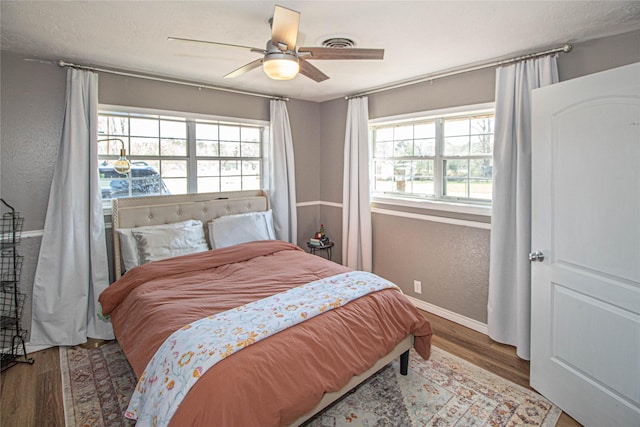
(173,154)
(445,157)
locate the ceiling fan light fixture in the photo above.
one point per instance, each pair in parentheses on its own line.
(281,66)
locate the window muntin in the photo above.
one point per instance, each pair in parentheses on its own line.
(178,155)
(446,158)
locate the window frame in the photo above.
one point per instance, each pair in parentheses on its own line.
(437,202)
(191,152)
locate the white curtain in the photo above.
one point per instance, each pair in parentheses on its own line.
(282,174)
(72,267)
(509,304)
(356,212)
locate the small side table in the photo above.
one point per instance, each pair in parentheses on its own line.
(327,248)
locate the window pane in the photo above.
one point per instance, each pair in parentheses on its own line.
(144,127)
(251,168)
(118,126)
(230,167)
(173,168)
(424,130)
(480,178)
(103,125)
(251,134)
(229,149)
(481,168)
(403,132)
(482,125)
(208,185)
(384,149)
(110,147)
(250,182)
(208,168)
(176,185)
(424,147)
(171,129)
(230,133)
(384,134)
(482,144)
(456,146)
(458,126)
(155,164)
(422,177)
(113,125)
(250,149)
(383,175)
(144,147)
(403,148)
(456,178)
(173,147)
(206,131)
(207,149)
(480,189)
(401,174)
(231,183)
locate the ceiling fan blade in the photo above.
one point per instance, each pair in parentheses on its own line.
(284,28)
(306,69)
(341,53)
(253,49)
(245,68)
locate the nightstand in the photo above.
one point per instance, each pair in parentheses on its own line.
(326,248)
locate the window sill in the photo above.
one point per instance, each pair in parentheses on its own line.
(437,205)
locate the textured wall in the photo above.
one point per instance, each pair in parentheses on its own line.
(449,260)
(32,106)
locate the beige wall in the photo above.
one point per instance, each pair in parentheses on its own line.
(451,261)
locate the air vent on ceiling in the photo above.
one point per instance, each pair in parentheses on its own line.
(339,42)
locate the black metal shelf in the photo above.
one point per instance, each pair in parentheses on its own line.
(12,336)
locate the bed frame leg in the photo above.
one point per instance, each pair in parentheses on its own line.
(404,363)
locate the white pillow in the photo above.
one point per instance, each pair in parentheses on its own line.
(128,244)
(231,230)
(156,244)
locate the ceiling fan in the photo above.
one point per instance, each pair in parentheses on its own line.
(281,60)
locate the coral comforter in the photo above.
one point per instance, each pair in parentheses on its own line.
(274,381)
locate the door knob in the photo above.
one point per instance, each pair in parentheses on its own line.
(536,256)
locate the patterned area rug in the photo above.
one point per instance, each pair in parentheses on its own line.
(443,391)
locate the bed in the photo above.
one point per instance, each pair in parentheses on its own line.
(283,379)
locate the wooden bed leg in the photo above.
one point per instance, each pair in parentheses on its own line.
(404,363)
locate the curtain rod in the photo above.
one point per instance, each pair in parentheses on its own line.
(566,48)
(63,63)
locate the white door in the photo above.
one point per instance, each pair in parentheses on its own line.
(585,337)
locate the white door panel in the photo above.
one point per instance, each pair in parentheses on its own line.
(585,338)
(591,190)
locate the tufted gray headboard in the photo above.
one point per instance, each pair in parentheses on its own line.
(155,210)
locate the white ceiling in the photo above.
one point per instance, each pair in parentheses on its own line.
(419,37)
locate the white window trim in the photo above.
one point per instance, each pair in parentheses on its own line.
(266,143)
(439,205)
(436,205)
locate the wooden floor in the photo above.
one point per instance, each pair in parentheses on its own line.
(31,394)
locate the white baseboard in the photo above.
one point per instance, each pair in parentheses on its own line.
(450,315)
